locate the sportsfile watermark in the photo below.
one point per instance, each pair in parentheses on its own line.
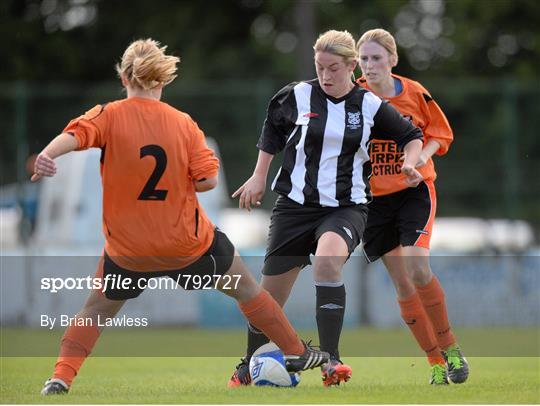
(119,282)
(42,296)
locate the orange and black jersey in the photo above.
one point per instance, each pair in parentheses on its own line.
(415,103)
(151,154)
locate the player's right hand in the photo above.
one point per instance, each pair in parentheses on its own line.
(44,166)
(413,176)
(251,192)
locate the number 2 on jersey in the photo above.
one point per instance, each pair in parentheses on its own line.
(149,191)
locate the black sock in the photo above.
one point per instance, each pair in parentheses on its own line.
(330,312)
(256,338)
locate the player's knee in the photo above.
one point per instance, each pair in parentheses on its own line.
(421,274)
(327,269)
(418,269)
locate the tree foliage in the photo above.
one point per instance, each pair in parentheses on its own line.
(479,58)
(243,39)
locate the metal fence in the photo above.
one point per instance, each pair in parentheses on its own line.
(491,169)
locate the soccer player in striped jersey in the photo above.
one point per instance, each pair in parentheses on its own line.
(400,216)
(323,127)
(154,159)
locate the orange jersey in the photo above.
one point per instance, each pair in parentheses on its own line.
(151,154)
(415,103)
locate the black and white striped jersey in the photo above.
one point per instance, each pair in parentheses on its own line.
(325,142)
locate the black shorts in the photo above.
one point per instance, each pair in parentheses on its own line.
(295,230)
(403,218)
(198,275)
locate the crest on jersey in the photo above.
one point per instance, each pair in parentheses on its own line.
(354,120)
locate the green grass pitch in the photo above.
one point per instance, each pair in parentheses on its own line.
(376,379)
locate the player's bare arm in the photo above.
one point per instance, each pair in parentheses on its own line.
(44,165)
(429,149)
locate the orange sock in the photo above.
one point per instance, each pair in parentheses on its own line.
(415,317)
(432,297)
(76,345)
(265,313)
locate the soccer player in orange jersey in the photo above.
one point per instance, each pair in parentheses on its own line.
(401,217)
(154,159)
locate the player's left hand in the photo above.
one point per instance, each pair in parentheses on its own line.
(44,166)
(413,176)
(422,160)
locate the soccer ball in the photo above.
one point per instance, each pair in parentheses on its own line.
(267,368)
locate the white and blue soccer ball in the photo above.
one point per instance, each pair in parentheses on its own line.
(267,368)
